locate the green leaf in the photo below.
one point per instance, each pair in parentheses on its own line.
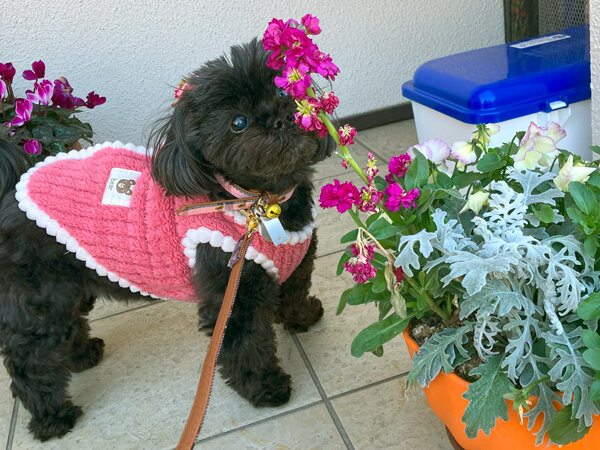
(349,237)
(378,351)
(590,246)
(358,294)
(584,197)
(592,357)
(595,391)
(591,339)
(594,179)
(589,309)
(43,133)
(372,218)
(563,429)
(377,334)
(380,283)
(486,397)
(417,174)
(344,258)
(464,179)
(381,229)
(490,162)
(544,213)
(444,180)
(66,135)
(343,301)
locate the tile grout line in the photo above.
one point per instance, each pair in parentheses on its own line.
(326,402)
(367,386)
(258,422)
(157,302)
(13,425)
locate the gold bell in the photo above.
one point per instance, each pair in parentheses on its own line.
(252,223)
(273,211)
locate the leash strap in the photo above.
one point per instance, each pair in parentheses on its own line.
(196,416)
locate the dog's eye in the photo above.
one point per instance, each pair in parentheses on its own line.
(282,93)
(239,124)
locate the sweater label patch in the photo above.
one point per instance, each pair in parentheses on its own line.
(119,187)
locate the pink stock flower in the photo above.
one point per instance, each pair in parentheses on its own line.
(346,135)
(42,95)
(329,102)
(23,112)
(311,24)
(272,35)
(371,169)
(307,116)
(369,198)
(399,274)
(296,41)
(345,164)
(32,147)
(398,166)
(399,197)
(295,81)
(342,196)
(360,265)
(7,72)
(320,62)
(39,70)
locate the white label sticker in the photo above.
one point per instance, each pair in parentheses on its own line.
(119,187)
(540,41)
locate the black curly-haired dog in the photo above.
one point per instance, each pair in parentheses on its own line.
(232,121)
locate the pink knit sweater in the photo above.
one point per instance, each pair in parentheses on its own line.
(103,204)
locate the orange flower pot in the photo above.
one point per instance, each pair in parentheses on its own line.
(445,397)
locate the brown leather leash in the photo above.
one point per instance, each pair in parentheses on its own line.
(259,208)
(196,417)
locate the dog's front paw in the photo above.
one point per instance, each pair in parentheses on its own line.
(276,389)
(90,357)
(310,313)
(56,425)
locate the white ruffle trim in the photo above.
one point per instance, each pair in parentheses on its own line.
(27,205)
(215,238)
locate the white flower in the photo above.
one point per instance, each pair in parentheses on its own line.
(538,146)
(435,150)
(464,152)
(569,173)
(476,201)
(489,130)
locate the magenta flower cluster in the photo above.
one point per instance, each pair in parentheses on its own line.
(360,264)
(57,94)
(298,57)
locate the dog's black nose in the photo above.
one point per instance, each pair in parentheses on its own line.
(278,124)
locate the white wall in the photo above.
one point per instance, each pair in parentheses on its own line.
(135,52)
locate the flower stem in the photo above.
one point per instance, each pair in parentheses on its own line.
(434,306)
(356,218)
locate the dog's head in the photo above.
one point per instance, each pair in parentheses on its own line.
(233,120)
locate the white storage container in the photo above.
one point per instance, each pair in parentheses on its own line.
(537,80)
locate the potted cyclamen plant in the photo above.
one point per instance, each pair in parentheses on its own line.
(43,121)
(489,256)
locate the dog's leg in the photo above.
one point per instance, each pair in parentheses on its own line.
(298,310)
(86,352)
(248,360)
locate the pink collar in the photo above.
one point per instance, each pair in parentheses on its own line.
(244,199)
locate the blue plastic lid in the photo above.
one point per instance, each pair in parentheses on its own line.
(499,83)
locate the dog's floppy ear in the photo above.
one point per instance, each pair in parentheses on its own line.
(177,161)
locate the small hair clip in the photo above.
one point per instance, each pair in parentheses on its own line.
(183,86)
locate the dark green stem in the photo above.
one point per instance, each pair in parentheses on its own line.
(434,306)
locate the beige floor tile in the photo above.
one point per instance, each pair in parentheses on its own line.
(386,417)
(140,395)
(311,428)
(106,307)
(390,140)
(327,344)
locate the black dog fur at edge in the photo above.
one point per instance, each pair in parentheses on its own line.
(46,294)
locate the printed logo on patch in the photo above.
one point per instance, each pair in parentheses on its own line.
(119,187)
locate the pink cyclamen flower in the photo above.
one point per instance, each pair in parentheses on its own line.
(346,135)
(295,81)
(307,116)
(23,112)
(329,101)
(398,166)
(3,90)
(311,24)
(42,95)
(32,147)
(39,70)
(63,95)
(399,197)
(360,265)
(94,100)
(342,196)
(7,72)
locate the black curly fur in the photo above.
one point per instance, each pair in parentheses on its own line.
(46,293)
